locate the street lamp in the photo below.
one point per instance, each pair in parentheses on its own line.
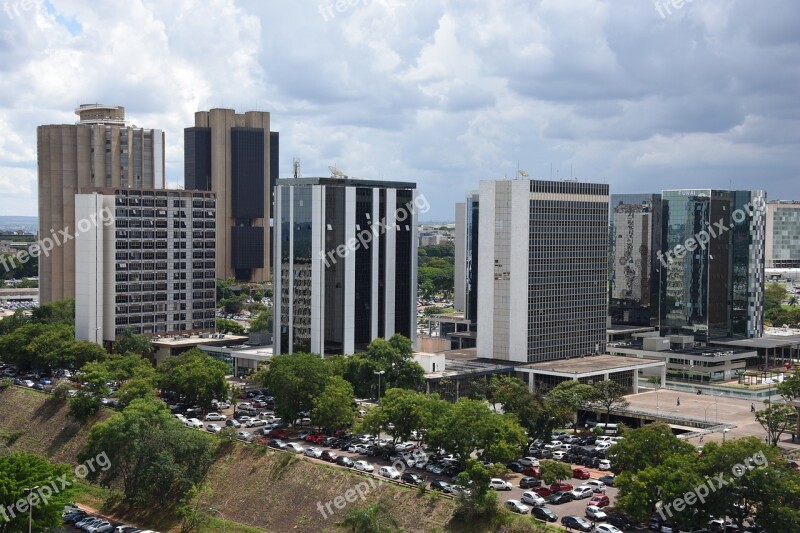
(724,432)
(379,373)
(28,492)
(217,512)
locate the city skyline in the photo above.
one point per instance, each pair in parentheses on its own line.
(445,94)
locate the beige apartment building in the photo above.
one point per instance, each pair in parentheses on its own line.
(99,151)
(235,156)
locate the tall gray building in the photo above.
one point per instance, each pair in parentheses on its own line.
(100,151)
(635,239)
(783,234)
(345,263)
(542,269)
(711,266)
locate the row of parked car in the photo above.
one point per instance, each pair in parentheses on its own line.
(84,521)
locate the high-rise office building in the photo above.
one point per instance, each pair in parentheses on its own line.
(231,154)
(345,263)
(711,266)
(635,230)
(466,268)
(99,151)
(148,264)
(460,260)
(783,235)
(542,269)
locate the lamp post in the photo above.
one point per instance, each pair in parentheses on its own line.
(724,432)
(379,373)
(30,507)
(217,512)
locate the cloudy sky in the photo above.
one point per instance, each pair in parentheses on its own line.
(442,92)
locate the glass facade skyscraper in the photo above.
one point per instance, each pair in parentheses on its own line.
(711,266)
(345,263)
(635,238)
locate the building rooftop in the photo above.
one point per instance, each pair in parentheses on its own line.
(708,351)
(588,364)
(192,340)
(347,182)
(767,341)
(618,328)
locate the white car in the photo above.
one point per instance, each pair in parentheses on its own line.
(582,492)
(223,405)
(606,528)
(194,423)
(499,484)
(559,455)
(390,472)
(255,422)
(597,486)
(595,513)
(214,417)
(528,461)
(604,465)
(180,417)
(213,428)
(294,447)
(245,436)
(532,498)
(517,506)
(363,466)
(606,444)
(358,448)
(244,419)
(316,453)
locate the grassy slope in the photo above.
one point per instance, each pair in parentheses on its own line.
(266,490)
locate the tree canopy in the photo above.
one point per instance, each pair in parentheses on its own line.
(193,376)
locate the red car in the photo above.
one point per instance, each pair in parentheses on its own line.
(561,486)
(580,473)
(544,492)
(279,434)
(316,438)
(600,500)
(531,471)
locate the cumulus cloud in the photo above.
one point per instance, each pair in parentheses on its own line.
(443,93)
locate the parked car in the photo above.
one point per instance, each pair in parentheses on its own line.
(582,492)
(411,478)
(604,464)
(620,520)
(345,461)
(528,461)
(440,485)
(578,523)
(516,506)
(580,473)
(499,484)
(213,428)
(294,447)
(560,497)
(597,486)
(529,483)
(515,467)
(255,422)
(214,417)
(245,436)
(543,513)
(558,455)
(364,466)
(561,486)
(279,434)
(314,452)
(595,513)
(607,480)
(607,528)
(329,456)
(233,423)
(543,491)
(388,471)
(277,444)
(194,423)
(532,498)
(600,500)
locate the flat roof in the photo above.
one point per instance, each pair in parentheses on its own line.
(347,182)
(624,328)
(465,354)
(767,341)
(472,368)
(703,351)
(195,340)
(590,364)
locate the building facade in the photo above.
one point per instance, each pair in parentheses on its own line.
(150,267)
(635,228)
(711,266)
(99,151)
(345,263)
(783,235)
(542,269)
(231,155)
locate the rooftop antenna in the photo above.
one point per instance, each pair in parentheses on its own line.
(296,167)
(335,172)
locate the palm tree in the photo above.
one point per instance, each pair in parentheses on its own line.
(374,518)
(793,301)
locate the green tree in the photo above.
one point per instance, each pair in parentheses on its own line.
(335,407)
(19,471)
(553,471)
(229,326)
(61,311)
(153,457)
(408,412)
(295,380)
(195,376)
(94,386)
(789,388)
(776,420)
(263,322)
(132,342)
(774,295)
(647,446)
(573,395)
(479,503)
(395,358)
(374,518)
(610,395)
(234,304)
